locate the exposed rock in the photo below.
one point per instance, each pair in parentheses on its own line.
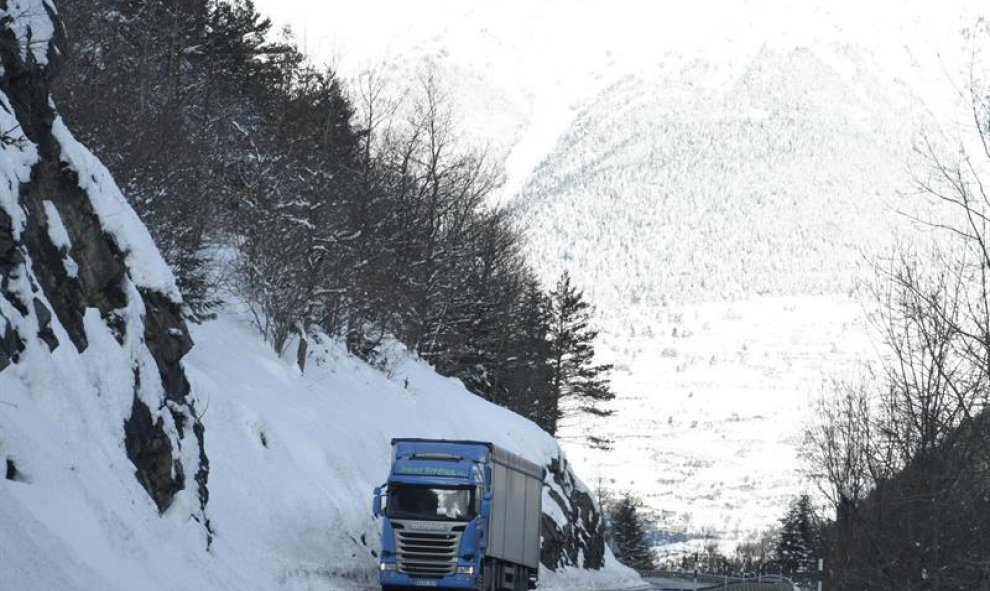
(10,344)
(101,267)
(167,337)
(44,317)
(151,451)
(581,541)
(46,281)
(9,255)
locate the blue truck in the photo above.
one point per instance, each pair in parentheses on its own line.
(459,515)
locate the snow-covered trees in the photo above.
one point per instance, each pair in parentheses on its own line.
(356,215)
(294,221)
(156,88)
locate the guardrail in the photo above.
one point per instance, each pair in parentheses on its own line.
(728,582)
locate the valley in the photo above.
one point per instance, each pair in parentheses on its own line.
(712,402)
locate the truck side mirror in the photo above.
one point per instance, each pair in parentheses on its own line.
(376,502)
(486,505)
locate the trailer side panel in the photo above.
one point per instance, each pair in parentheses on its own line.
(516,516)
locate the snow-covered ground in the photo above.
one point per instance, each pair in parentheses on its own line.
(712,400)
(293,460)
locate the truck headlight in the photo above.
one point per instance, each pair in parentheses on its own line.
(465,570)
(387,566)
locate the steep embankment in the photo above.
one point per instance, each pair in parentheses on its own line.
(134,460)
(312,446)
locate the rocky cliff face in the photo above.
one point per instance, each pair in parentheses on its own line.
(75,260)
(573,528)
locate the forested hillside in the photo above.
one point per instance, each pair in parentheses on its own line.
(328,270)
(356,212)
(770,174)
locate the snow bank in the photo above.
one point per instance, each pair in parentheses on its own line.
(613,576)
(293,460)
(18,156)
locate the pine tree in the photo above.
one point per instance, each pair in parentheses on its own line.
(632,546)
(798,544)
(532,376)
(577,384)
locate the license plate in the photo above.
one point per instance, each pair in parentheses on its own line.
(426,583)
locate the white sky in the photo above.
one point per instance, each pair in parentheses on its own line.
(522,68)
(355,32)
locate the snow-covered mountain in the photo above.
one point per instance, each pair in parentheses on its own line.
(141,453)
(720,214)
(775,174)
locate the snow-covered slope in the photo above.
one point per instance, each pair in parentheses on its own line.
(133,460)
(293,458)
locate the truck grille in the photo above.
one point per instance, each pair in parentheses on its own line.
(427,554)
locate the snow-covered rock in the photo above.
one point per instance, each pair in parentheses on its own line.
(84,287)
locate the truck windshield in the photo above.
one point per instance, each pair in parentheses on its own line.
(407,501)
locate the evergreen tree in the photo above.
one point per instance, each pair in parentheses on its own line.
(531,383)
(577,383)
(631,545)
(797,545)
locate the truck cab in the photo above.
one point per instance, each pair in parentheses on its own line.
(459,515)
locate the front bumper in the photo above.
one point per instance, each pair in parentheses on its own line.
(448,582)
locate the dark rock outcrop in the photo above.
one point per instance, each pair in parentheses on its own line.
(151,451)
(580,541)
(49,281)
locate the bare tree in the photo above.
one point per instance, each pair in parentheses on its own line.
(903,457)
